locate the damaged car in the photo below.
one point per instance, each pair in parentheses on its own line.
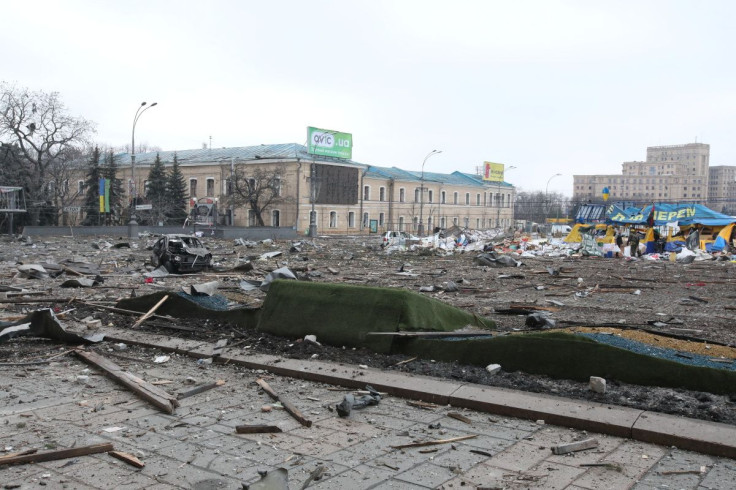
(181,253)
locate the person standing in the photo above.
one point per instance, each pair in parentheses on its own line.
(634,244)
(619,243)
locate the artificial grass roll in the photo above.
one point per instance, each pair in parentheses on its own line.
(340,314)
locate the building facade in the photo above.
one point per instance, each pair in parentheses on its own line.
(722,188)
(346,197)
(672,173)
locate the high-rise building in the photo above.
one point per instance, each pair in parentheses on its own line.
(674,173)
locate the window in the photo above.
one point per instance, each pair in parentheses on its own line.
(442,222)
(430,195)
(442,197)
(146,185)
(467,198)
(429,223)
(251,218)
(454,198)
(277,186)
(454,221)
(381,218)
(417,192)
(490,198)
(477,223)
(366,193)
(382,194)
(227,187)
(467,222)
(365,219)
(351,219)
(275,216)
(80,186)
(333,219)
(401,223)
(210,187)
(402,195)
(477,199)
(414,223)
(192,187)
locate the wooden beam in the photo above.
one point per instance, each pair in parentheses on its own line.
(150,312)
(128,458)
(152,394)
(288,406)
(56,455)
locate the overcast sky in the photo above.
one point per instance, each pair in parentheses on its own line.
(570,87)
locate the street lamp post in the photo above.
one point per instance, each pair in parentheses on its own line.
(420,228)
(546,197)
(498,208)
(134,191)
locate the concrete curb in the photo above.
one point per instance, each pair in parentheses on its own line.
(690,434)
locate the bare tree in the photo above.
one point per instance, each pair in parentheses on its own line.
(39,125)
(257,188)
(61,180)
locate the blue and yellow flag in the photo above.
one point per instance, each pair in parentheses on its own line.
(101,192)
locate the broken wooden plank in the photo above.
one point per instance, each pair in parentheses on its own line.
(406,361)
(288,406)
(256,429)
(575,446)
(150,312)
(460,417)
(59,454)
(152,394)
(127,458)
(422,405)
(434,443)
(200,389)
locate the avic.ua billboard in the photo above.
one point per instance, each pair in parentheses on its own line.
(329,143)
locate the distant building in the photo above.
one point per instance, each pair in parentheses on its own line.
(722,189)
(350,196)
(674,173)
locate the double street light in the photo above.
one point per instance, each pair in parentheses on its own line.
(420,229)
(134,192)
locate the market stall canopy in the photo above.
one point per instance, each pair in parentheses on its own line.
(660,214)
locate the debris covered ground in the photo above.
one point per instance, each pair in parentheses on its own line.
(689,304)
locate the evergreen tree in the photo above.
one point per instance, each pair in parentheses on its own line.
(156,191)
(109,172)
(92,186)
(176,191)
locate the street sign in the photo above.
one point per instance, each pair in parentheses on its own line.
(72,209)
(143,207)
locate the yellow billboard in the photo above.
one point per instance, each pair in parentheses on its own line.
(493,171)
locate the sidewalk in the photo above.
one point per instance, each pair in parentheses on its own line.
(49,407)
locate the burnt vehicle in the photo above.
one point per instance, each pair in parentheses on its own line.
(181,253)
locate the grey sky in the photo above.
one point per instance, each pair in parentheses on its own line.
(547,86)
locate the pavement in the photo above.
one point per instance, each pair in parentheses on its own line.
(67,403)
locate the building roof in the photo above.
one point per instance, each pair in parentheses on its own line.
(239,154)
(455,178)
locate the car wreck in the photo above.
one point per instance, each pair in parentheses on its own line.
(181,253)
